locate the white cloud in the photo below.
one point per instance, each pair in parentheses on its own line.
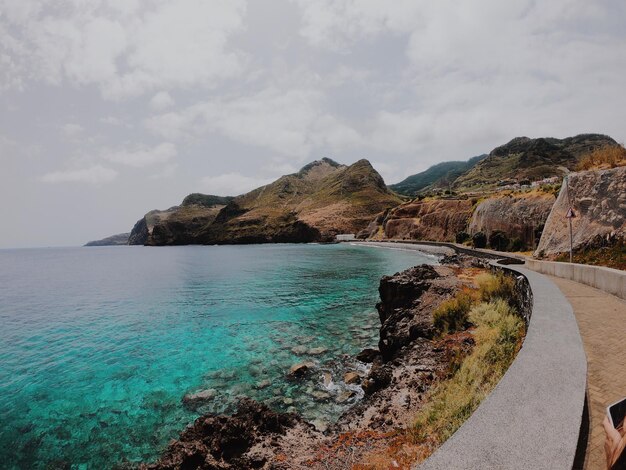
(290,122)
(161,101)
(231,184)
(143,156)
(120,48)
(96,174)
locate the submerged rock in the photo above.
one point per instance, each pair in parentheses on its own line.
(199,398)
(351,378)
(317,351)
(300,369)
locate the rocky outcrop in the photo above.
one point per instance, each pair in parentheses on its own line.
(178,225)
(405,314)
(113,240)
(430,219)
(520,216)
(599,202)
(226,442)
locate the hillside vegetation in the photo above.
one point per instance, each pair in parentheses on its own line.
(438,176)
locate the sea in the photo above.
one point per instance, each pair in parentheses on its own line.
(99,345)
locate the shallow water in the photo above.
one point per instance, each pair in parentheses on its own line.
(99,345)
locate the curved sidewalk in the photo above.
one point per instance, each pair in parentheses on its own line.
(601,320)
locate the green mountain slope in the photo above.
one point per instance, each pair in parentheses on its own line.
(440,175)
(532,159)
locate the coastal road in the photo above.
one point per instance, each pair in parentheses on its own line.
(601,319)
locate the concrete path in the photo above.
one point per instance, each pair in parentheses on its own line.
(601,319)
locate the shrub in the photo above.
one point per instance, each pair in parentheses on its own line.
(498,336)
(498,240)
(479,240)
(495,286)
(609,155)
(462,237)
(452,314)
(517,245)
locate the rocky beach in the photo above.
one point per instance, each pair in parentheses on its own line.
(393,382)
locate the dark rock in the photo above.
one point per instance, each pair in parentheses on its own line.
(379,377)
(368,355)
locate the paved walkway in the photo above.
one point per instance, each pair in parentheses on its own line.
(602,322)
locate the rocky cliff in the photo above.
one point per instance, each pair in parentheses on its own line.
(432,219)
(599,202)
(521,216)
(178,225)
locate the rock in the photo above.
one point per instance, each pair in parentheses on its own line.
(351,378)
(368,355)
(317,351)
(300,369)
(200,397)
(320,425)
(327,379)
(378,378)
(299,350)
(319,395)
(345,396)
(263,384)
(600,216)
(222,442)
(288,401)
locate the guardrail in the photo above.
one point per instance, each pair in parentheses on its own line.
(608,280)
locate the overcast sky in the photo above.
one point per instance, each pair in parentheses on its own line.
(110,108)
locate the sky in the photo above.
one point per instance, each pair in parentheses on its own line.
(111,108)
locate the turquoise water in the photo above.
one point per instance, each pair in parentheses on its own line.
(99,345)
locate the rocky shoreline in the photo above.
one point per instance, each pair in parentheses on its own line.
(397,376)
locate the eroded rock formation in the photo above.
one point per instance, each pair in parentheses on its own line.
(599,202)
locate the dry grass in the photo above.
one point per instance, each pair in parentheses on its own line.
(498,335)
(610,156)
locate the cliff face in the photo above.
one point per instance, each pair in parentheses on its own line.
(320,201)
(517,215)
(438,219)
(599,201)
(177,225)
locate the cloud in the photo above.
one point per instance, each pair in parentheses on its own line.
(143,156)
(161,101)
(96,174)
(124,50)
(72,130)
(291,122)
(231,184)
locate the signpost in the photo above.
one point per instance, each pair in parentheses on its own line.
(570,215)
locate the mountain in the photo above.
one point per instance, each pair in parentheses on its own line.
(206,200)
(440,175)
(321,200)
(531,159)
(119,239)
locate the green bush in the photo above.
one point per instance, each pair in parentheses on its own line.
(498,240)
(496,286)
(479,240)
(517,245)
(462,237)
(452,314)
